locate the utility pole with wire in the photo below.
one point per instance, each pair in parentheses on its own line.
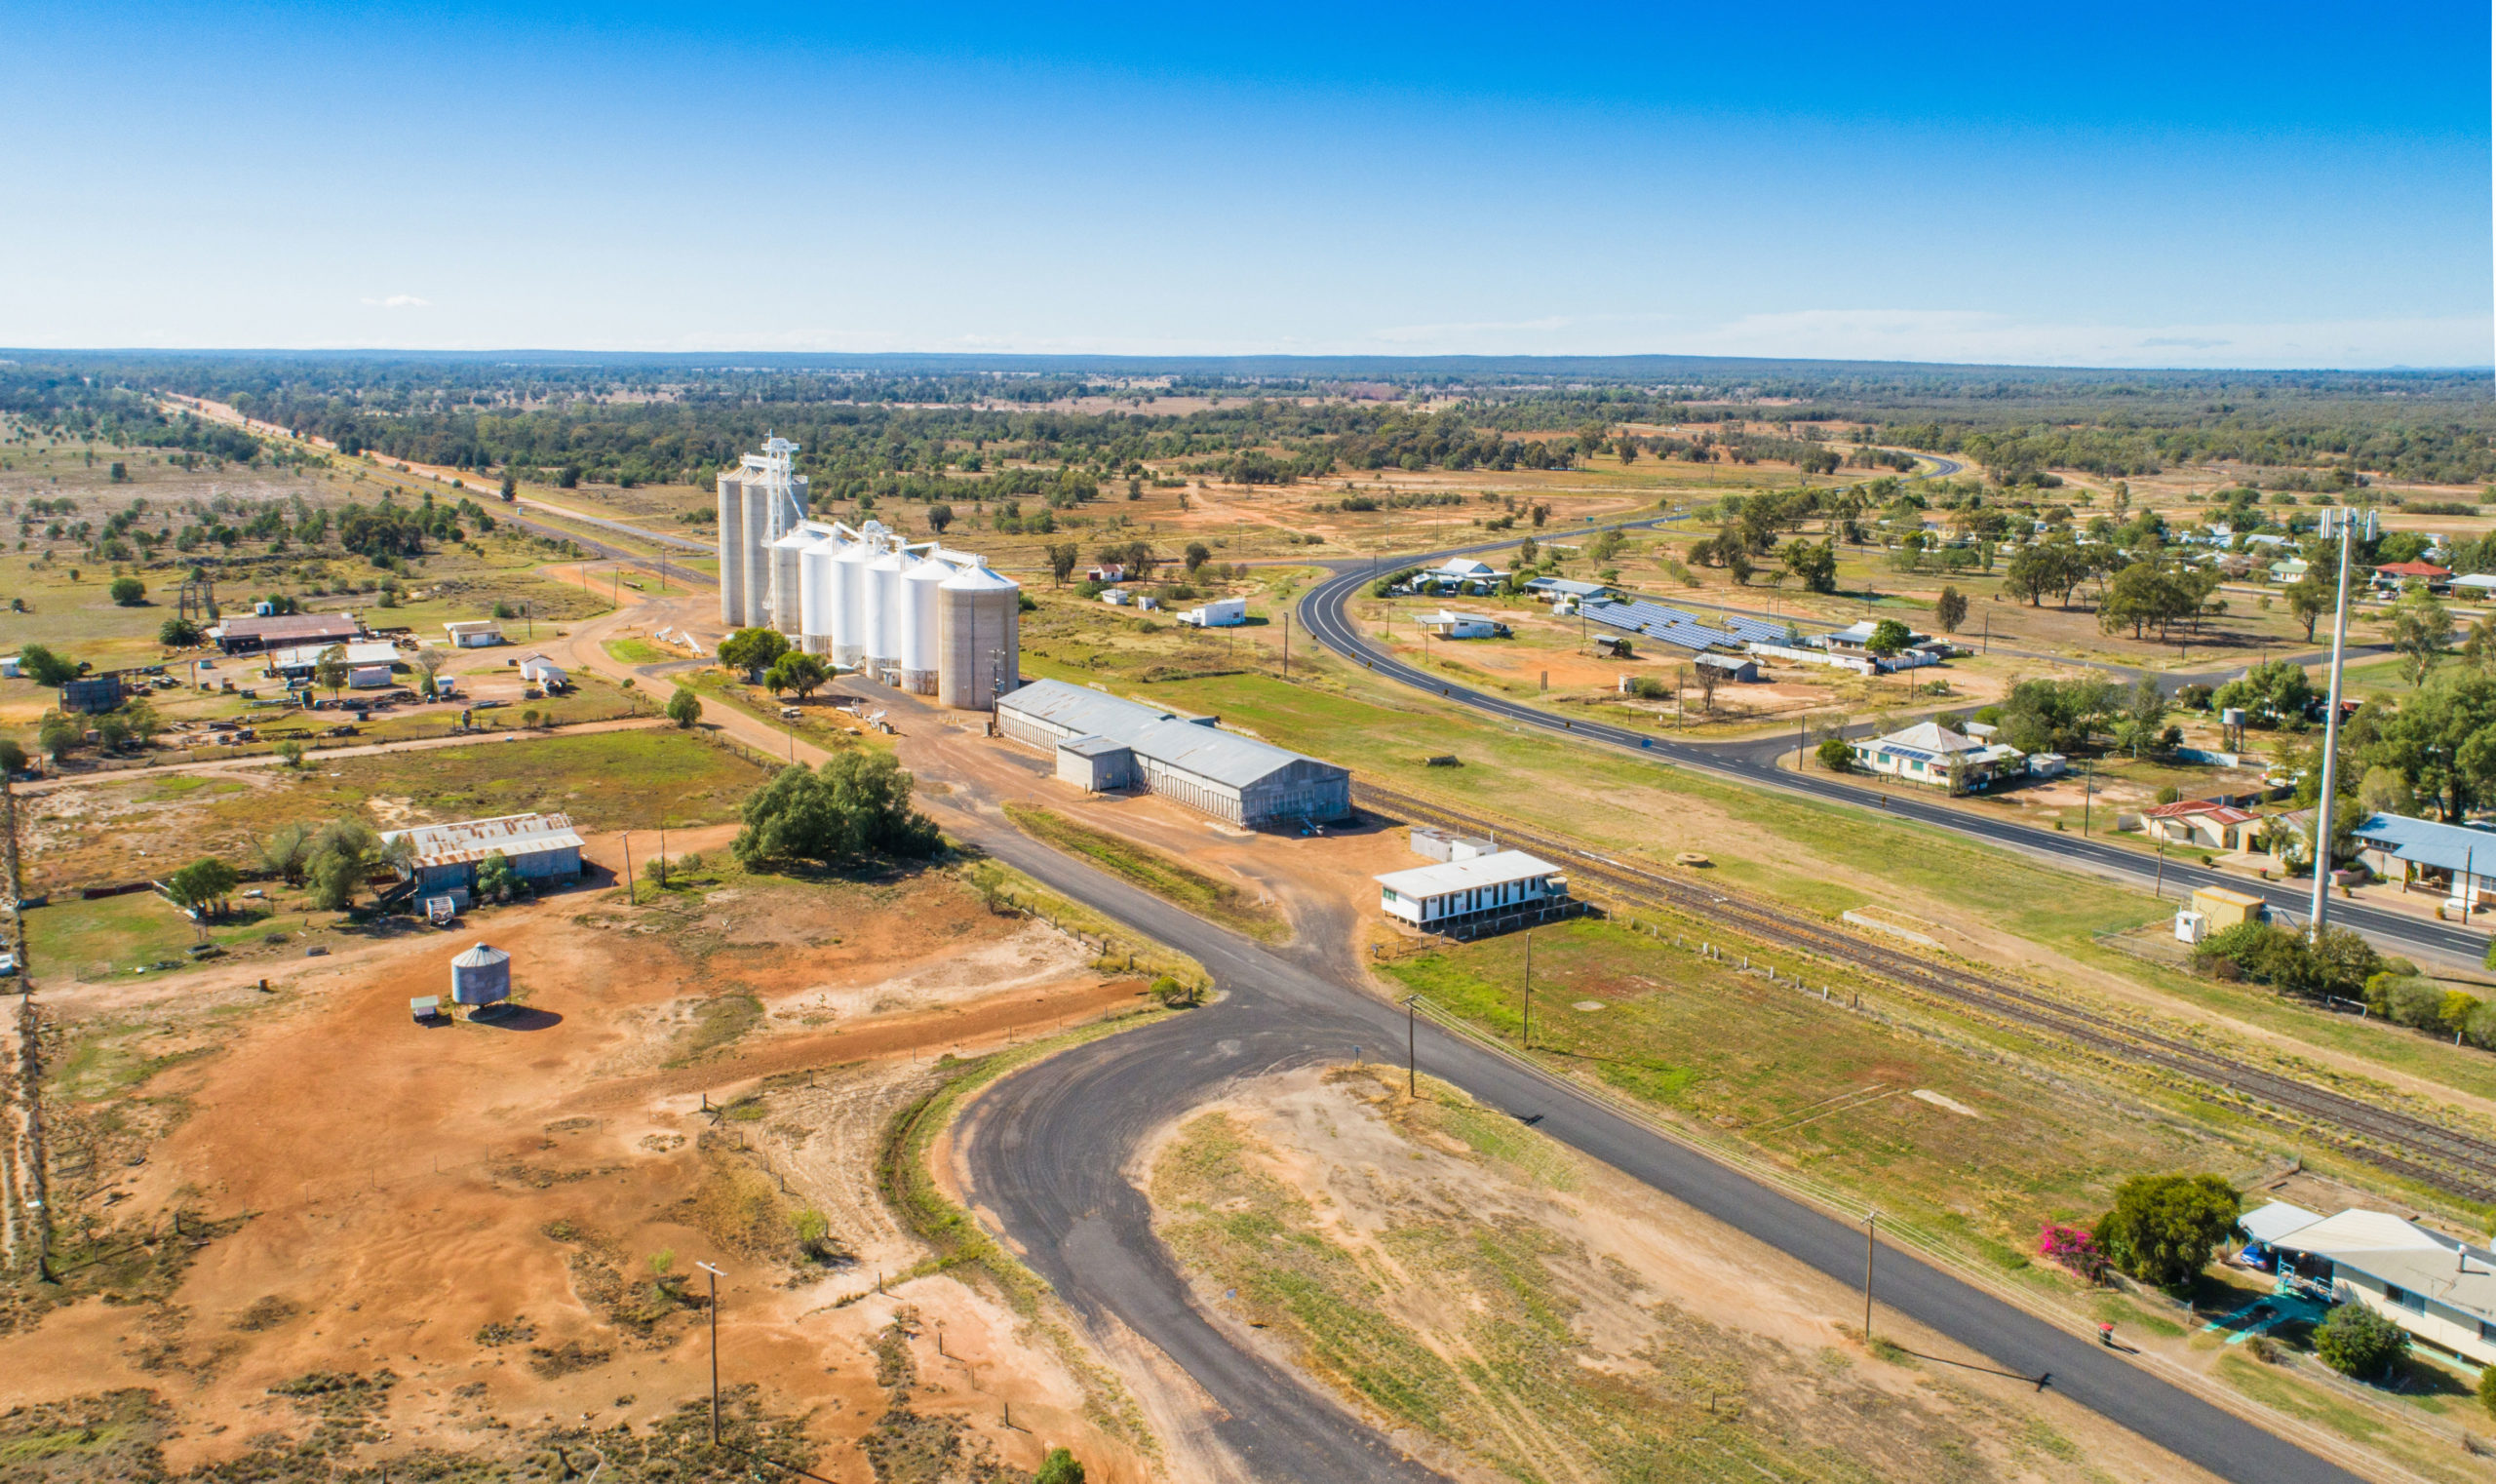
(2344,523)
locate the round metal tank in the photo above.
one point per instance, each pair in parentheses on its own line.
(979,637)
(881,608)
(918,604)
(816,607)
(848,603)
(732,550)
(481,976)
(756,558)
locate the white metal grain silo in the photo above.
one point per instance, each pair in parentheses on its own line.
(787,581)
(919,605)
(881,609)
(815,590)
(979,637)
(848,603)
(732,550)
(756,558)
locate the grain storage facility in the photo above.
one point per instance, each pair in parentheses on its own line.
(1100,741)
(480,977)
(912,615)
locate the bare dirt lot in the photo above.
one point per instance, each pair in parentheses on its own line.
(480,1239)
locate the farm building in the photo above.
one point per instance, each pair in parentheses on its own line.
(369,678)
(245,636)
(445,857)
(474,633)
(1741,668)
(538,670)
(93,694)
(299,660)
(1446,623)
(1473,890)
(1117,743)
(1220,613)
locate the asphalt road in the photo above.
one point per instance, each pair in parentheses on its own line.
(1322,615)
(1048,1149)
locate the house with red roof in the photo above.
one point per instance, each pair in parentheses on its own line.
(2205,824)
(2402,573)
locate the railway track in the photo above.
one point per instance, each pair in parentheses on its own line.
(2394,1141)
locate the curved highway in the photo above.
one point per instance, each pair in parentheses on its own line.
(1324,615)
(1048,1150)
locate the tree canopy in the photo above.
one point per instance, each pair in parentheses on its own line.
(2164,1229)
(855,805)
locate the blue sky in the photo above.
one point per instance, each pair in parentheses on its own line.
(2281,186)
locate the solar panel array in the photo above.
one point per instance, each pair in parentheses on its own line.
(1676,627)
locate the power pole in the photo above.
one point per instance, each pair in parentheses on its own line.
(2324,807)
(628,869)
(714,1351)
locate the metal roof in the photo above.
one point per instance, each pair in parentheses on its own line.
(2268,1222)
(1437,881)
(290,626)
(2447,847)
(1194,747)
(1092,746)
(376,652)
(473,839)
(483,955)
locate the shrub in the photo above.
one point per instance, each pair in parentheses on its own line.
(2168,794)
(683,708)
(129,592)
(1176,995)
(1835,755)
(2164,1227)
(2487,1389)
(1059,1467)
(856,804)
(2075,1248)
(2355,1340)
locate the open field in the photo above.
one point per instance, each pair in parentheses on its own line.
(120,831)
(1165,875)
(461,1247)
(1510,1305)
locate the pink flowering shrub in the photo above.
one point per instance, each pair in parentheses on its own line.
(2075,1247)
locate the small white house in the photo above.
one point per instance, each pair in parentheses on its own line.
(474,633)
(2440,1290)
(1220,613)
(1446,623)
(1117,597)
(540,671)
(369,678)
(1930,752)
(1482,888)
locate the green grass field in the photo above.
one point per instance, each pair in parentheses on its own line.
(114,935)
(1169,879)
(1815,1089)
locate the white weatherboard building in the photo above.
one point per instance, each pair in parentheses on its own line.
(2442,1290)
(916,615)
(1103,742)
(1476,889)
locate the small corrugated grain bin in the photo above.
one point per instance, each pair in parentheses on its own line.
(481,976)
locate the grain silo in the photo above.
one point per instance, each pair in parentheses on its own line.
(731,547)
(881,609)
(918,606)
(848,600)
(481,976)
(815,606)
(788,592)
(979,624)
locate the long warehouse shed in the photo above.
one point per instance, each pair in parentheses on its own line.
(1105,742)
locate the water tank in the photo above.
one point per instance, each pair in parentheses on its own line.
(816,607)
(918,604)
(979,637)
(848,603)
(731,551)
(481,976)
(881,609)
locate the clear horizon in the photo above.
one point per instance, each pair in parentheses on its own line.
(2146,189)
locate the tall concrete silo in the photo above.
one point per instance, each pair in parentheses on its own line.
(815,590)
(732,547)
(979,637)
(883,612)
(849,602)
(918,623)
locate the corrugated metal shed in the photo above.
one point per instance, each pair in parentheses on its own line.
(472,840)
(305,656)
(1209,752)
(1086,710)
